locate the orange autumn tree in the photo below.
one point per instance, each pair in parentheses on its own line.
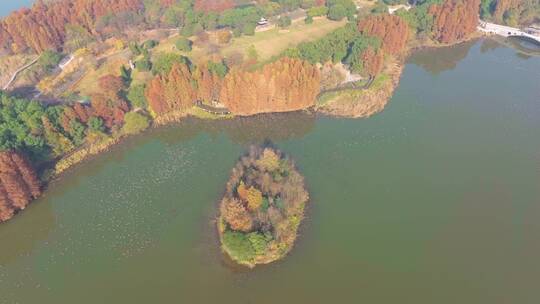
(455,20)
(285,85)
(44,25)
(392,30)
(208,83)
(172,91)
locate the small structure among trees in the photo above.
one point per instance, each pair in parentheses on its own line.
(262,207)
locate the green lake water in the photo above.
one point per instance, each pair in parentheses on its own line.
(434,200)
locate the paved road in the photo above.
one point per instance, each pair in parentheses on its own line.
(505,31)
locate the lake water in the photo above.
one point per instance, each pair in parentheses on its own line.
(7,6)
(435,200)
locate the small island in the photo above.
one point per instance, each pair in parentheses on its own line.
(262,208)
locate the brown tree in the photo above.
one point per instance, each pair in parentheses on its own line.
(392,30)
(455,20)
(373,61)
(173,91)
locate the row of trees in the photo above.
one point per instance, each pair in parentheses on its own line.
(348,45)
(44,25)
(511,12)
(285,85)
(76,23)
(455,19)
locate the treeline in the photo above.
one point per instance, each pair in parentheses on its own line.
(285,85)
(511,12)
(76,23)
(364,45)
(46,25)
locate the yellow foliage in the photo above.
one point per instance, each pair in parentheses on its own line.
(251,195)
(269,160)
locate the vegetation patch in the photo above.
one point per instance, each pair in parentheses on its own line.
(262,208)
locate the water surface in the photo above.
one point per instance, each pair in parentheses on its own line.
(435,200)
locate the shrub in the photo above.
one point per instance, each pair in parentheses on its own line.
(336,12)
(96,124)
(259,242)
(224,36)
(164,62)
(136,96)
(183,44)
(249,29)
(238,246)
(317,11)
(143,65)
(134,123)
(150,44)
(284,21)
(49,60)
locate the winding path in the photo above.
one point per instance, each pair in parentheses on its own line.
(19,71)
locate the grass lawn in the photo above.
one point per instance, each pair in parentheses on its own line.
(267,43)
(89,83)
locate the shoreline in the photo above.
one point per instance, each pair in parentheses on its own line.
(259,218)
(368,103)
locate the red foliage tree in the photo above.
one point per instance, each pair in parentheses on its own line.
(208,84)
(455,19)
(111,110)
(285,85)
(392,30)
(18,184)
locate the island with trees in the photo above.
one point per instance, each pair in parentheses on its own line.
(262,208)
(80,75)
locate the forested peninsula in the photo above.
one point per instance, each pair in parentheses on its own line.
(262,208)
(79,75)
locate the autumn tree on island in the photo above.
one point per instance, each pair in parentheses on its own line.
(18,184)
(262,207)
